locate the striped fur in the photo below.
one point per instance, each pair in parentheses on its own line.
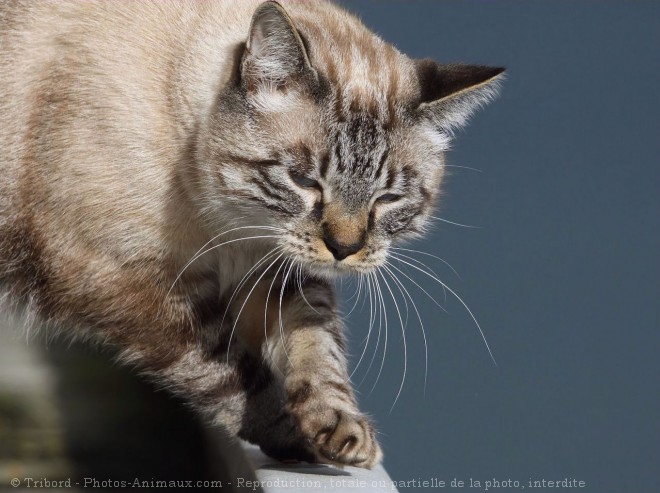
(288,141)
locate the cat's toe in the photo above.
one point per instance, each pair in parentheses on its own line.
(352,441)
(341,437)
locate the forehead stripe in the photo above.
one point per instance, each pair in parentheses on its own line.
(381,163)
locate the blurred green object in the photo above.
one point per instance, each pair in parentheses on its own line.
(66,411)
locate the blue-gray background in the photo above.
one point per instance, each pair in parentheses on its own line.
(563,273)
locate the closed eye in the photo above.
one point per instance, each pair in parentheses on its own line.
(304,181)
(389,197)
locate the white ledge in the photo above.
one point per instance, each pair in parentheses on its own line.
(275,477)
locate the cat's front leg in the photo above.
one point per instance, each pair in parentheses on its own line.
(307,347)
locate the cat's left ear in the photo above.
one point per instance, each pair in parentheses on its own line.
(450,94)
(275,54)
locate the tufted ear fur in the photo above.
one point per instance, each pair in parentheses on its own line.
(275,55)
(450,94)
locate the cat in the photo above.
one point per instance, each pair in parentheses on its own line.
(183,180)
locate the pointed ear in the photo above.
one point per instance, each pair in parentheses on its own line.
(450,94)
(275,54)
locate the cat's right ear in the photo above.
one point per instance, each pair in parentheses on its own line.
(275,55)
(450,94)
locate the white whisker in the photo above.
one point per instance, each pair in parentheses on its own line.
(270,288)
(454,223)
(247,275)
(233,329)
(418,285)
(378,308)
(428,255)
(285,278)
(356,295)
(201,253)
(371,323)
(403,334)
(474,319)
(462,167)
(301,281)
(419,317)
(384,308)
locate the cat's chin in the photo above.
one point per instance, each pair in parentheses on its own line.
(338,269)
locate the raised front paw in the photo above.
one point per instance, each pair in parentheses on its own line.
(333,426)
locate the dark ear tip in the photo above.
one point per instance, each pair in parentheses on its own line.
(486,72)
(269,6)
(439,81)
(498,71)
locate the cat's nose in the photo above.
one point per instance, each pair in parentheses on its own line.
(341,250)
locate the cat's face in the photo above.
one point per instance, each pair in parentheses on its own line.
(342,185)
(342,166)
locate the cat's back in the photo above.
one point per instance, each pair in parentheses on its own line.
(135,48)
(77,68)
(143,72)
(92,54)
(97,102)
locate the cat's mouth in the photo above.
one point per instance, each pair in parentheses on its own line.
(336,270)
(331,267)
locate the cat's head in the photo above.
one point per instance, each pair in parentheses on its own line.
(334,136)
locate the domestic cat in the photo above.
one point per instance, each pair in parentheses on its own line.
(182,180)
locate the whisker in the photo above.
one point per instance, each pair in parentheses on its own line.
(428,255)
(419,286)
(415,260)
(364,279)
(201,253)
(396,255)
(284,281)
(371,323)
(356,295)
(474,319)
(462,167)
(247,275)
(419,317)
(384,308)
(454,223)
(236,229)
(301,280)
(405,301)
(403,334)
(270,288)
(246,300)
(378,308)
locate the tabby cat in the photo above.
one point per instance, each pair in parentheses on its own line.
(182,180)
